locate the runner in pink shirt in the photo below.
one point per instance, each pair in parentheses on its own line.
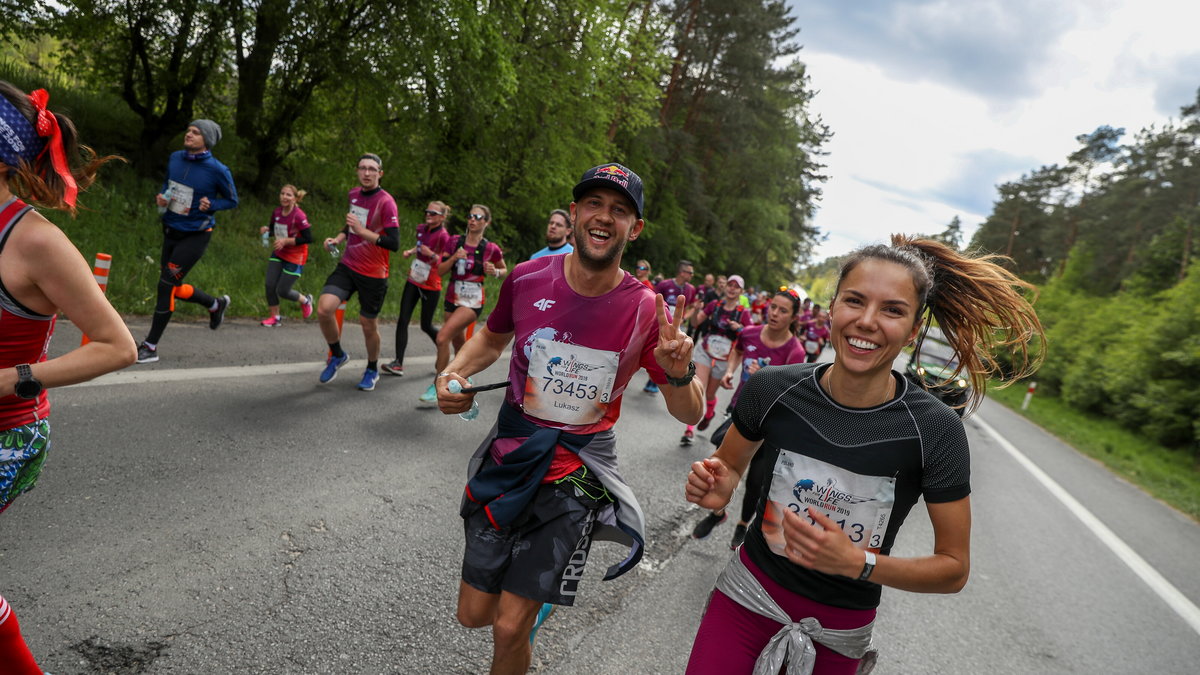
(292,234)
(582,328)
(718,325)
(772,343)
(372,231)
(470,259)
(424,282)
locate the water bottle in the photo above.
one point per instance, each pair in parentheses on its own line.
(266,239)
(764,361)
(460,267)
(167,196)
(333,250)
(455,387)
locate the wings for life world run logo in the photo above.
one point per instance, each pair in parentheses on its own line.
(568,368)
(614,173)
(827,496)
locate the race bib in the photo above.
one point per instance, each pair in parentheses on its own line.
(419,271)
(280,231)
(718,346)
(812,346)
(468,294)
(569,384)
(362,214)
(860,505)
(181,197)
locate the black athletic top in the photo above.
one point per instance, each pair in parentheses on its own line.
(849,462)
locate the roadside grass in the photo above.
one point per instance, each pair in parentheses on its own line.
(1169,475)
(118,217)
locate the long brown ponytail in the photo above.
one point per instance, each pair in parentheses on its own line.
(980,306)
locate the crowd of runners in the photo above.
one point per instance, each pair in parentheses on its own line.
(834,453)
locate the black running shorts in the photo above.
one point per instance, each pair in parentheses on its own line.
(344,282)
(540,556)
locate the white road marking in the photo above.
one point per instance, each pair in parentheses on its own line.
(1157,583)
(132,374)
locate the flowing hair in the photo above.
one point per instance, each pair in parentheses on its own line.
(38,183)
(980,306)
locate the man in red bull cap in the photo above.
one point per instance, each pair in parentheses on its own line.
(544,484)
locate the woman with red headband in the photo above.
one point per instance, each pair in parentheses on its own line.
(41,274)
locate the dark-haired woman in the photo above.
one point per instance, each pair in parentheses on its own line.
(41,274)
(852,447)
(772,343)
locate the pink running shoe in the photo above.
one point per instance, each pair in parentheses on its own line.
(273,322)
(306,307)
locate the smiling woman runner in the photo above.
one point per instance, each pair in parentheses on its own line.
(853,446)
(473,259)
(292,235)
(41,274)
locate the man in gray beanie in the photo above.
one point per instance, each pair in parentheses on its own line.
(196,187)
(209,130)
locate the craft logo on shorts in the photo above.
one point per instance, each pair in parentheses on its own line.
(827,496)
(614,173)
(570,367)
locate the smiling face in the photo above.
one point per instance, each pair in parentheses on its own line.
(287,197)
(605,220)
(193,140)
(873,316)
(732,290)
(434,214)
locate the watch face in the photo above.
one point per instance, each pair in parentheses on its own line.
(28,389)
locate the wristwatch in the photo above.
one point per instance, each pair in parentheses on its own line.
(868,567)
(27,386)
(686,379)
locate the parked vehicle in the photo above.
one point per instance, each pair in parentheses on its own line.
(932,365)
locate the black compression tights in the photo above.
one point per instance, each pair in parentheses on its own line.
(180,252)
(408,302)
(279,283)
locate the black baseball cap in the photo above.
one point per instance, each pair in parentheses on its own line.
(613,177)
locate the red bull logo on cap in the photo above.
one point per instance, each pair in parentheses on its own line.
(614,170)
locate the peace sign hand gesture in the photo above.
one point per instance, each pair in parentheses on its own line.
(674,350)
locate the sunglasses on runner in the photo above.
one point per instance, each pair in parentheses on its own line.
(476,216)
(434,213)
(642,268)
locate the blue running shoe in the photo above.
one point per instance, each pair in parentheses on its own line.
(331,367)
(650,388)
(543,614)
(370,377)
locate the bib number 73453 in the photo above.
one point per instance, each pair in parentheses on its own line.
(568,383)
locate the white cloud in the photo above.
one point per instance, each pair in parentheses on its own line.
(933,103)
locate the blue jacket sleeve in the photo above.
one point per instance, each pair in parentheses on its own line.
(227,190)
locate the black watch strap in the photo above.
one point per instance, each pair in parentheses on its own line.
(686,379)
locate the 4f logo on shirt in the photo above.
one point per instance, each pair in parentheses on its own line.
(544,304)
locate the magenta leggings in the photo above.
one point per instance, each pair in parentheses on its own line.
(731,637)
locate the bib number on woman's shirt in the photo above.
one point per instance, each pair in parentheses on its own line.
(569,384)
(419,271)
(860,505)
(468,294)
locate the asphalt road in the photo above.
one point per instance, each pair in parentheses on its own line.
(221,512)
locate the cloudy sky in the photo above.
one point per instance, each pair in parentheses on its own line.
(935,102)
